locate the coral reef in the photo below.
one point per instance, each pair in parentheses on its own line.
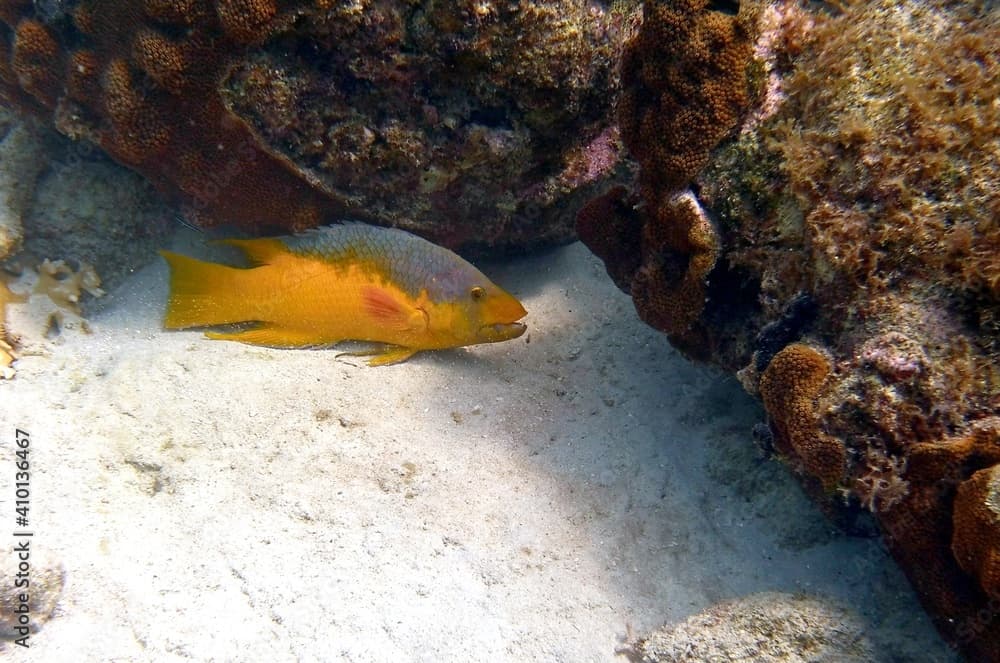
(472,123)
(856,285)
(685,86)
(789,388)
(141,80)
(976,541)
(762,628)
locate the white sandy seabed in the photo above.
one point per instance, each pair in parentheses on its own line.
(543,499)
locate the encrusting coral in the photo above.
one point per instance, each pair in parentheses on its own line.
(143,84)
(685,86)
(976,541)
(472,123)
(790,388)
(856,286)
(680,249)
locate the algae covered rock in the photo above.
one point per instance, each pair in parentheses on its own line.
(475,124)
(22,159)
(855,205)
(763,628)
(71,221)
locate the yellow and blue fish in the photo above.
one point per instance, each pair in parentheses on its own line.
(344,282)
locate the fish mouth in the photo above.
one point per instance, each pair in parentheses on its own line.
(501,331)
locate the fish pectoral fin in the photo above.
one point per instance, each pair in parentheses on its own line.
(382,355)
(271,336)
(392,313)
(395,355)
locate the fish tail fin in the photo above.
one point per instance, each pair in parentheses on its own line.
(203,293)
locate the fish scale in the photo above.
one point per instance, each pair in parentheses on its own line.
(410,262)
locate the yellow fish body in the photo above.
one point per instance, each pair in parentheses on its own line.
(344,282)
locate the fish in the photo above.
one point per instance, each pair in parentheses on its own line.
(343,282)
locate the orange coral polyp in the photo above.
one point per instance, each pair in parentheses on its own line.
(789,388)
(146,89)
(976,538)
(247,21)
(684,89)
(36,61)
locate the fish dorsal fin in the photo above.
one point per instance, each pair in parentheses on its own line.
(258,251)
(391,311)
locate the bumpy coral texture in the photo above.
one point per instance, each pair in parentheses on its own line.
(976,541)
(866,183)
(940,537)
(141,80)
(789,388)
(883,203)
(611,227)
(873,187)
(474,123)
(685,88)
(911,121)
(680,247)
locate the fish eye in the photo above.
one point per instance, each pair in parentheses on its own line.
(477,292)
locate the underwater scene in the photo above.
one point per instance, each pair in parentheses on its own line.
(541,330)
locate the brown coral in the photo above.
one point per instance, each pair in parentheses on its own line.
(942,537)
(176,12)
(147,92)
(789,388)
(161,59)
(679,247)
(83,77)
(611,227)
(866,185)
(247,21)
(12,10)
(37,61)
(976,539)
(138,131)
(474,126)
(684,88)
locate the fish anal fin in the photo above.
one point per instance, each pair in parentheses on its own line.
(271,336)
(389,311)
